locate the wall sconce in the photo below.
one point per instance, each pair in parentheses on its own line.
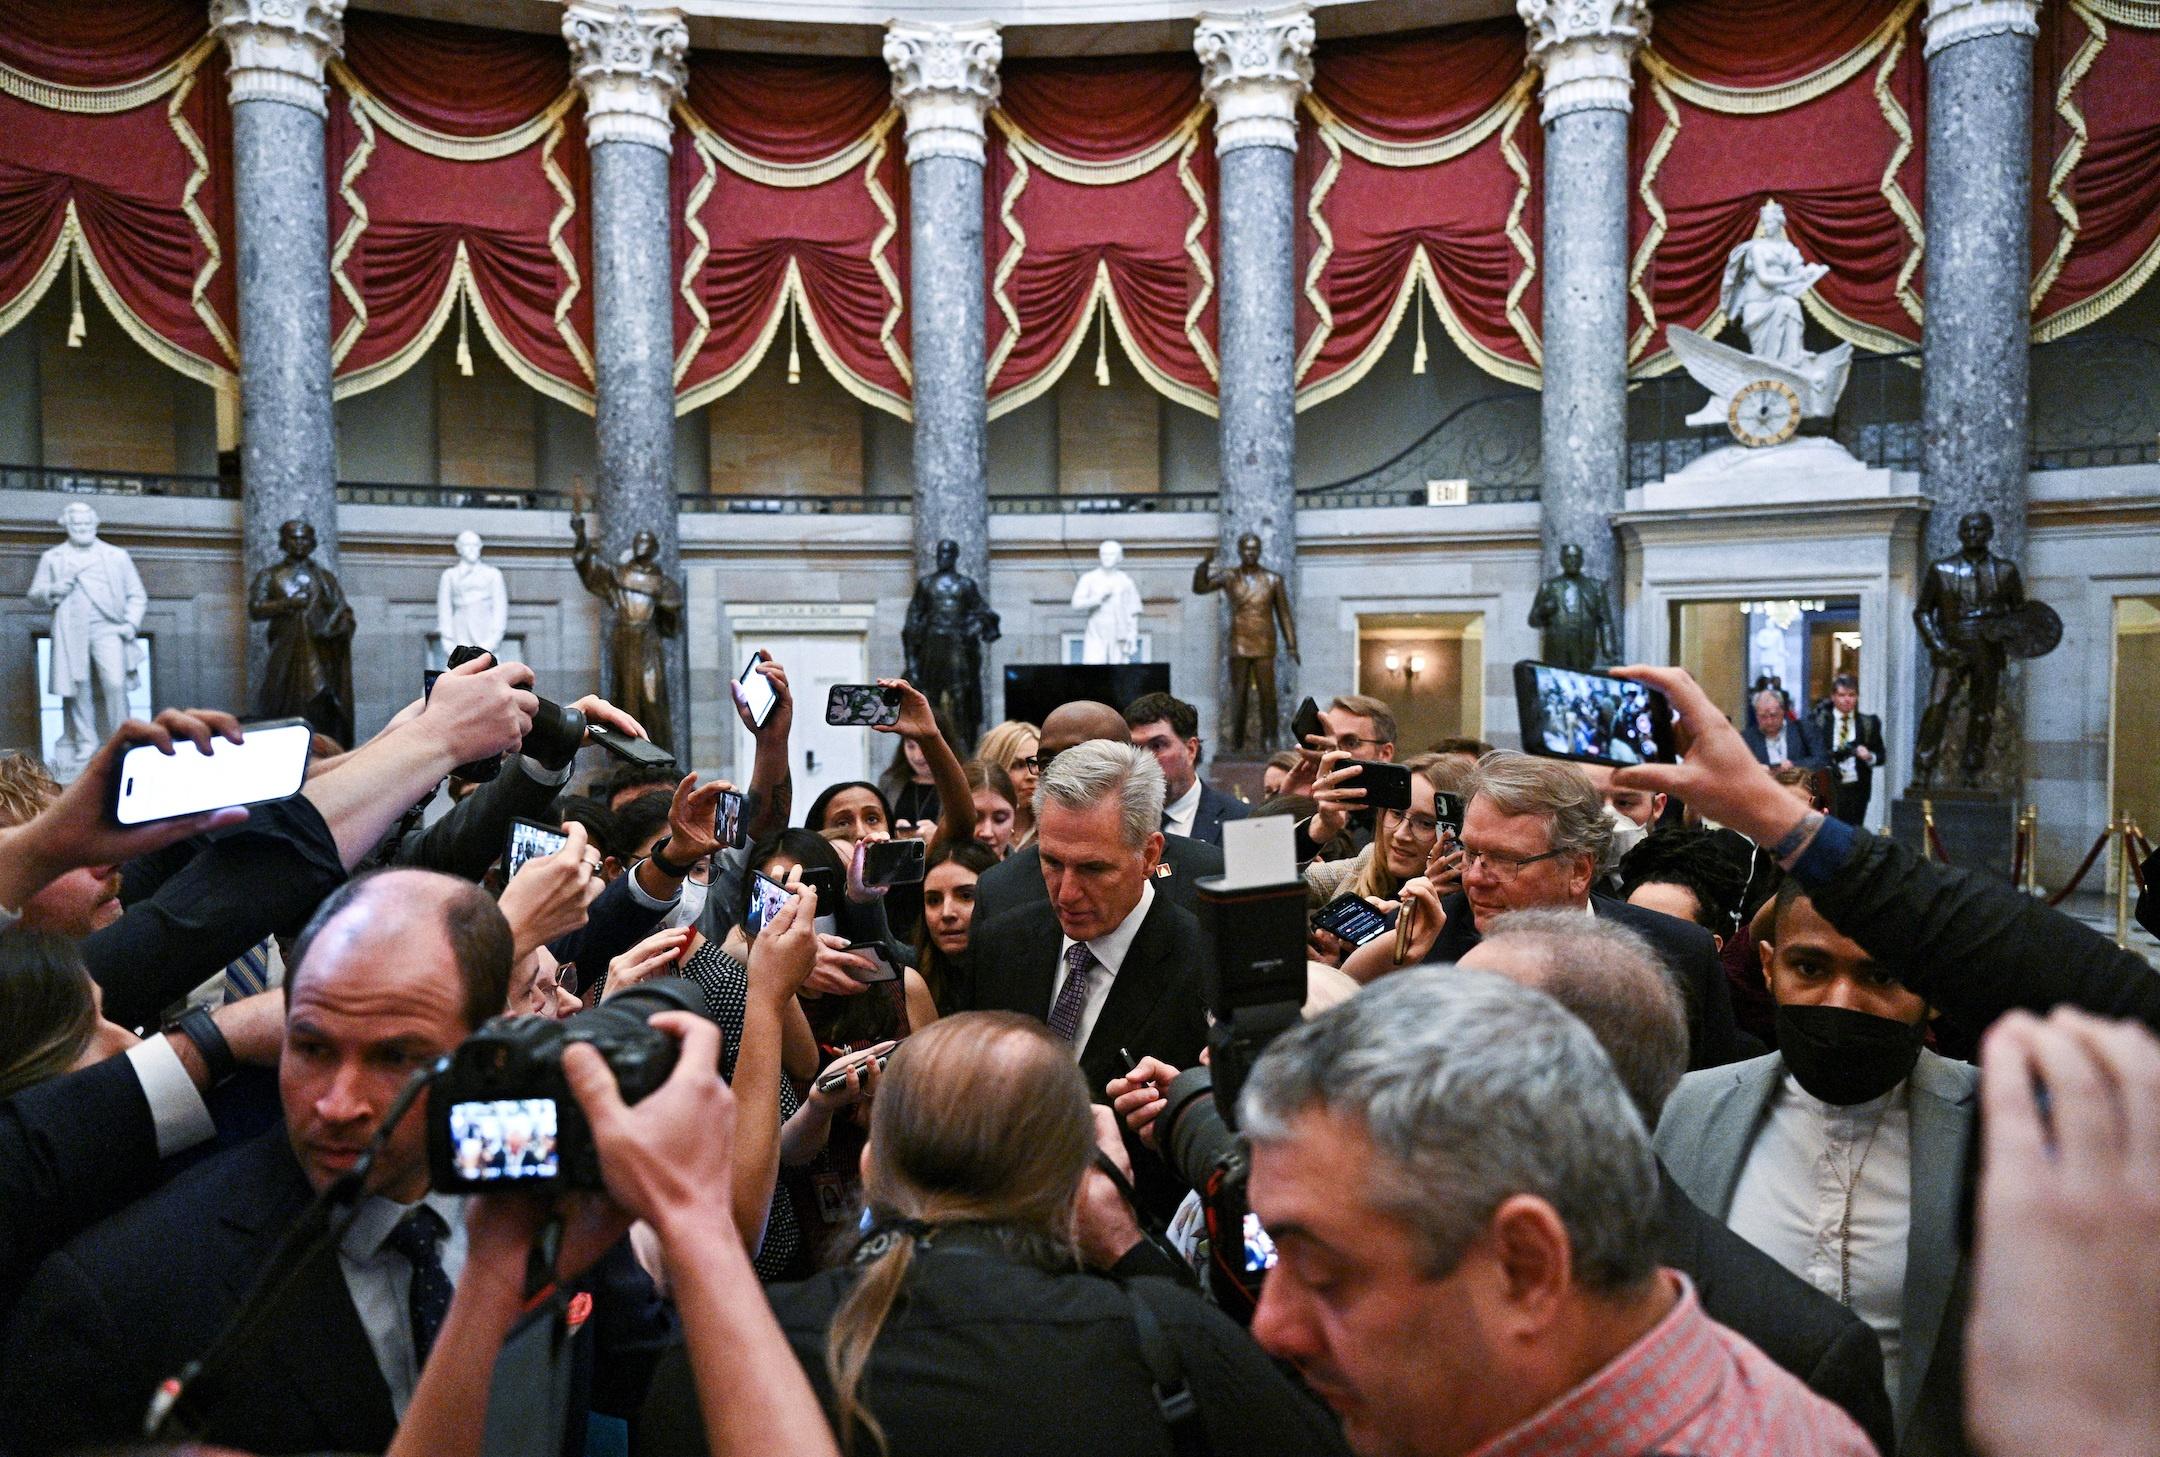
(1393,662)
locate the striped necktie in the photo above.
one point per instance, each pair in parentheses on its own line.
(250,973)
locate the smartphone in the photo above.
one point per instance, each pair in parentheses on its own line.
(882,968)
(887,863)
(530,840)
(271,764)
(826,882)
(833,1082)
(1592,718)
(1448,810)
(767,896)
(1352,918)
(629,746)
(864,705)
(757,690)
(1386,786)
(1306,724)
(727,819)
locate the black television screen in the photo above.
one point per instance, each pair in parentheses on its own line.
(1033,689)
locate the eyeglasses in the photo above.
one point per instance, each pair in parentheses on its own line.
(1032,761)
(1351,743)
(1503,867)
(1422,827)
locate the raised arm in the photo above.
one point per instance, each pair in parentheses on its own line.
(769,803)
(917,722)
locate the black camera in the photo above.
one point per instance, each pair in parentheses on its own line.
(502,1115)
(557,732)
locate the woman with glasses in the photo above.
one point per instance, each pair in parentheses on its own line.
(1405,842)
(1015,747)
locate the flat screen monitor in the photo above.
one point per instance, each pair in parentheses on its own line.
(1033,689)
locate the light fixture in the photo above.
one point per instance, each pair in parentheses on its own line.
(1393,662)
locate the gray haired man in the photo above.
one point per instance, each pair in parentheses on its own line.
(1463,1202)
(1105,960)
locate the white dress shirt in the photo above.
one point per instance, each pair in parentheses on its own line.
(177,1110)
(1774,748)
(1110,949)
(1790,1200)
(1179,814)
(380,1282)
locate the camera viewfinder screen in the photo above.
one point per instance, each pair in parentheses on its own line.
(1591,714)
(505,1139)
(531,842)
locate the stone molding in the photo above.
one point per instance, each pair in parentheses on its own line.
(945,80)
(279,48)
(1255,66)
(1951,21)
(630,62)
(1586,49)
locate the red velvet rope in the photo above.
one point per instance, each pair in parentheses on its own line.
(2078,879)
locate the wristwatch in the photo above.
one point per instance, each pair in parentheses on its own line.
(199,1027)
(8,918)
(667,866)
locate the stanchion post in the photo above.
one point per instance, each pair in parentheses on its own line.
(1927,829)
(2122,880)
(2029,827)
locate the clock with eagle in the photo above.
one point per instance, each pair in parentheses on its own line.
(1766,412)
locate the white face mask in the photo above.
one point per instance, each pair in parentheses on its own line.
(691,906)
(1626,835)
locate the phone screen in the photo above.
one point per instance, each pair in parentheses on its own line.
(767,896)
(1259,1246)
(862,704)
(1591,717)
(758,691)
(505,1139)
(888,863)
(727,819)
(1351,918)
(270,764)
(530,841)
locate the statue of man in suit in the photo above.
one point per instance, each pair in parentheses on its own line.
(1258,601)
(97,603)
(1575,616)
(309,671)
(947,624)
(1970,614)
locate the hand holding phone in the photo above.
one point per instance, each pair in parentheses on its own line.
(887,863)
(728,819)
(1306,724)
(269,763)
(860,1068)
(1353,918)
(862,705)
(1592,718)
(529,840)
(1386,785)
(755,694)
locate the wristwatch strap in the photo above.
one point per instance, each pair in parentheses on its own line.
(199,1027)
(8,918)
(667,866)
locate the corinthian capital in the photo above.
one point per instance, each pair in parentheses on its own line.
(944,80)
(628,60)
(1587,50)
(279,48)
(1255,66)
(1951,21)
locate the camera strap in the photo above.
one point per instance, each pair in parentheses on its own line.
(1166,1369)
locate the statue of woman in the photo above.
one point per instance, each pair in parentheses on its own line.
(1764,279)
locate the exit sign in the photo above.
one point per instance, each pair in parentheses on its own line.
(1447,493)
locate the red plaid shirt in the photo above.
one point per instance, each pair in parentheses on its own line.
(1690,1388)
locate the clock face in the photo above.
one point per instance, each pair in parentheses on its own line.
(1766,412)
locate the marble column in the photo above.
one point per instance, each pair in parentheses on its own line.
(1975,343)
(628,60)
(1255,67)
(1586,50)
(288,450)
(945,80)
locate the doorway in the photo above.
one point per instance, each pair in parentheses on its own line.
(2134,712)
(1801,644)
(822,754)
(1429,668)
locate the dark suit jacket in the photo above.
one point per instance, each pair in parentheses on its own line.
(1806,1332)
(1867,729)
(1689,952)
(471,836)
(129,1303)
(1214,809)
(1154,1007)
(1800,746)
(73,1150)
(1018,881)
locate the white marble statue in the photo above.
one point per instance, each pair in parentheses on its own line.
(471,603)
(97,603)
(1113,631)
(1765,278)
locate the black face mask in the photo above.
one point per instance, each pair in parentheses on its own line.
(1845,1057)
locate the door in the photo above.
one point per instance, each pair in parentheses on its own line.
(821,755)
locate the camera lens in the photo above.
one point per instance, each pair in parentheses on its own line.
(556,734)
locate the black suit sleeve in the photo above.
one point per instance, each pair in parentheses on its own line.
(1850,1374)
(1246,1402)
(259,879)
(73,1149)
(617,921)
(63,1385)
(467,840)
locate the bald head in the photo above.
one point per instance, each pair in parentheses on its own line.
(398,919)
(1076,723)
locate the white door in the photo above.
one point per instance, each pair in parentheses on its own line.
(820,754)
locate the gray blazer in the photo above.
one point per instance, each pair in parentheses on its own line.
(1710,1123)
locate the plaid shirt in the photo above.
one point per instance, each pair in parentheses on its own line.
(1689,1387)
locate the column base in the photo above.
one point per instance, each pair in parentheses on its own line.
(1976,827)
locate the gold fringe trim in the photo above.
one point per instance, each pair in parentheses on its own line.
(694,263)
(106,100)
(882,266)
(728,379)
(2073,150)
(171,355)
(786,174)
(1324,316)
(538,379)
(2100,304)
(1104,297)
(1464,138)
(1419,276)
(1524,249)
(1901,206)
(1848,328)
(565,259)
(18,308)
(1102,174)
(213,254)
(1159,380)
(1015,249)
(1646,189)
(349,239)
(1194,232)
(384,370)
(443,144)
(869,393)
(2137,14)
(1739,101)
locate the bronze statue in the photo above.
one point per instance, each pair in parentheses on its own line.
(1575,617)
(647,608)
(1258,601)
(309,671)
(1973,616)
(947,624)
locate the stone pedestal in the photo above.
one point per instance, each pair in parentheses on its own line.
(1977,829)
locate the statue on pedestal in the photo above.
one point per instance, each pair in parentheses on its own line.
(309,671)
(1763,393)
(947,624)
(1113,631)
(97,601)
(1258,601)
(1575,617)
(646,608)
(471,603)
(1974,618)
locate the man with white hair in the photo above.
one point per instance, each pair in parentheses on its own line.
(1107,961)
(97,603)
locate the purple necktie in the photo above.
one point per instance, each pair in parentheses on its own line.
(1072,997)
